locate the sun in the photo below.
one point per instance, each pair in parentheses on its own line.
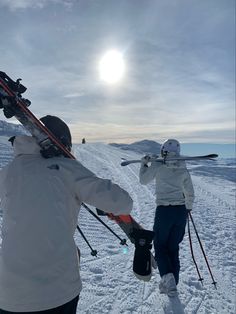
(112,67)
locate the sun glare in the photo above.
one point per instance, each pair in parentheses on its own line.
(111,67)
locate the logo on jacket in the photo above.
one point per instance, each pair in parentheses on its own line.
(54,167)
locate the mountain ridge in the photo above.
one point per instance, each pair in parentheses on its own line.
(11,129)
(144,146)
(152,147)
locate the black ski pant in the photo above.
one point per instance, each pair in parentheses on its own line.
(68,308)
(169,228)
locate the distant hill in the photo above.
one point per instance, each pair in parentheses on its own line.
(11,129)
(145,146)
(191,149)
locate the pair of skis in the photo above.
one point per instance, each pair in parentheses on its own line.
(14,105)
(169,159)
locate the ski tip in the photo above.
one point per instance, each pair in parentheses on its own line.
(124,163)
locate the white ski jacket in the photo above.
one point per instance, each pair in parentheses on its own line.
(40,199)
(173,183)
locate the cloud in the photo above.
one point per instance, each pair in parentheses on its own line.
(73,95)
(185,132)
(179,72)
(14,5)
(23,4)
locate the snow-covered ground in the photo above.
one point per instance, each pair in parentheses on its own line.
(109,285)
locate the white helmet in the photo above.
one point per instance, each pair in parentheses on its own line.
(170,147)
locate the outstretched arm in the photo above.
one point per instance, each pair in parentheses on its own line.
(102,193)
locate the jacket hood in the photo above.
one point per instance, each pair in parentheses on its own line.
(25,145)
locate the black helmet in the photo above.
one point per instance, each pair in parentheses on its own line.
(59,129)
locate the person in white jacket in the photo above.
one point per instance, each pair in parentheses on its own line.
(40,198)
(174,198)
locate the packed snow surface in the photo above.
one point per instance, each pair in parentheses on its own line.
(109,285)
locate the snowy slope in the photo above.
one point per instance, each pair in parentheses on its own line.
(108,283)
(11,129)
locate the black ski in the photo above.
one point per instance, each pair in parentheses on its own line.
(166,159)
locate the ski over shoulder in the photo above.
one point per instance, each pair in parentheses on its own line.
(166,159)
(14,105)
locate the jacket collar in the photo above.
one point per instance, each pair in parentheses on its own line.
(25,145)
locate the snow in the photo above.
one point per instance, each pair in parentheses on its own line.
(109,285)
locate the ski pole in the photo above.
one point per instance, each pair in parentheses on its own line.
(203,252)
(122,241)
(93,252)
(193,257)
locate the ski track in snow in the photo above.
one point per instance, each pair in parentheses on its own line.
(109,285)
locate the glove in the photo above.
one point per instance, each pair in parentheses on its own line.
(145,160)
(142,262)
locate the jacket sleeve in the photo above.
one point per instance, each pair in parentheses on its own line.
(102,193)
(147,174)
(188,190)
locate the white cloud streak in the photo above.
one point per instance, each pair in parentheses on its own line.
(14,5)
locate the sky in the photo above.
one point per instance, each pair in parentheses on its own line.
(178,78)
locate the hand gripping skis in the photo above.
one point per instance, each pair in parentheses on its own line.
(142,239)
(13,104)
